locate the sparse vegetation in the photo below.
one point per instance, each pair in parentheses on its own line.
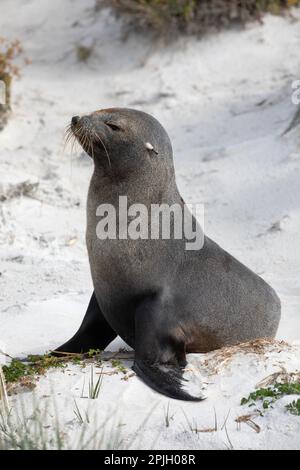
(13,191)
(268,396)
(83,53)
(15,371)
(9,53)
(294,407)
(117,364)
(93,352)
(35,365)
(23,372)
(30,367)
(195,16)
(22,431)
(39,428)
(3,393)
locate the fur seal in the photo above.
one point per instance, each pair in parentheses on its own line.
(161,299)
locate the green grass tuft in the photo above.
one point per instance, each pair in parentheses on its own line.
(94,388)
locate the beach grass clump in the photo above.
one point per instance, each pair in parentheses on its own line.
(195,16)
(37,425)
(81,417)
(24,432)
(95,387)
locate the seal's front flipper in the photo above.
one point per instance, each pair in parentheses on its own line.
(94,332)
(160,350)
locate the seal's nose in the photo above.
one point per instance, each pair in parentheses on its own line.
(75,120)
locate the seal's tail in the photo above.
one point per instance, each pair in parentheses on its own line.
(165,379)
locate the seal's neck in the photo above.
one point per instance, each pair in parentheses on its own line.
(145,187)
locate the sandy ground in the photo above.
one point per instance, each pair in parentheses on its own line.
(225,101)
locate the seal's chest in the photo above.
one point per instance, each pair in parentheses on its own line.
(121,261)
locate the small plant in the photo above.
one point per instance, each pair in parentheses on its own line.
(269,395)
(9,52)
(83,52)
(20,371)
(93,352)
(294,407)
(94,388)
(26,370)
(15,371)
(117,364)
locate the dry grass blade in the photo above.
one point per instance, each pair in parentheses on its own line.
(208,430)
(114,372)
(282,376)
(225,421)
(66,354)
(222,357)
(3,393)
(247,419)
(2,353)
(108,356)
(228,439)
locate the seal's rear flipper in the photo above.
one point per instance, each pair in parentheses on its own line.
(94,332)
(160,350)
(165,379)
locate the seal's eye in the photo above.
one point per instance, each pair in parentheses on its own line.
(113,126)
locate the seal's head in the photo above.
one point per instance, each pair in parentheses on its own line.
(124,141)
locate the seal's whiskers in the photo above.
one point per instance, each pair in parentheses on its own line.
(107,154)
(86,140)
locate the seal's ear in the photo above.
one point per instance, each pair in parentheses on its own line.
(150,147)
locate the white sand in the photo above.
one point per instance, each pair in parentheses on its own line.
(225,101)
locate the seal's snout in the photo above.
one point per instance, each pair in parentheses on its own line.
(84,122)
(75,120)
